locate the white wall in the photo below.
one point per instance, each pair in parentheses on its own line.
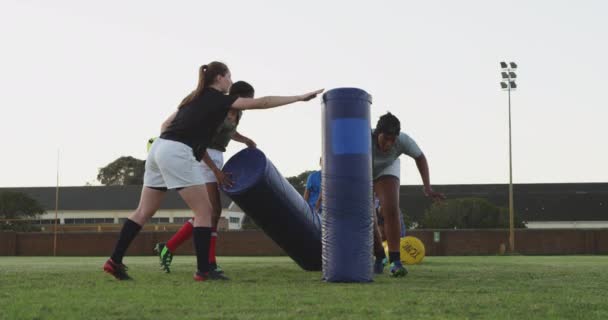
(235,215)
(567,224)
(117,214)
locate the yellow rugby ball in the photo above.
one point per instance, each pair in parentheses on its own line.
(411,249)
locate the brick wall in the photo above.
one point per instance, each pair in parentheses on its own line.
(256,243)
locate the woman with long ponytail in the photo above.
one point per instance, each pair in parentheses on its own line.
(213,161)
(174,162)
(201,81)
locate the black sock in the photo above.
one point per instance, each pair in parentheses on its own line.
(129,230)
(380,254)
(201,237)
(394,256)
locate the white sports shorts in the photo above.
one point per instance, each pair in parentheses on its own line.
(171,164)
(393,170)
(218,158)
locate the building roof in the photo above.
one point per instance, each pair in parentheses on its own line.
(533,202)
(100,198)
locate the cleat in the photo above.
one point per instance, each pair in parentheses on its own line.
(164,255)
(211,275)
(199,276)
(379,265)
(398,270)
(215,275)
(119,271)
(216,268)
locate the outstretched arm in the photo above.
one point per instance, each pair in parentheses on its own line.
(272,101)
(423,168)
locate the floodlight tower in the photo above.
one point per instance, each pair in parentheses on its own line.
(508,84)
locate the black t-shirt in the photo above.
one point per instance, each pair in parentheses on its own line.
(197,122)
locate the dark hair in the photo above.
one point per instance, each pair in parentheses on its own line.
(206,77)
(388,124)
(242,89)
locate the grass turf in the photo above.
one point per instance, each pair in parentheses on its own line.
(510,287)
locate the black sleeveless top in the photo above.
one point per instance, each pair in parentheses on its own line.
(197,122)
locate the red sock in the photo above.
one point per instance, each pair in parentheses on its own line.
(212,245)
(180,236)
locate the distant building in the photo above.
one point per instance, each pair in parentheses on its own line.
(113,204)
(558,205)
(541,206)
(235,216)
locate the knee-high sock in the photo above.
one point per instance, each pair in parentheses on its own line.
(180,236)
(202,237)
(212,243)
(129,231)
(394,256)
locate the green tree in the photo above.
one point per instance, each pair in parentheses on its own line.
(467,213)
(122,171)
(299,181)
(17,209)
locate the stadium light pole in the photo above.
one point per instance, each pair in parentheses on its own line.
(508,84)
(56,209)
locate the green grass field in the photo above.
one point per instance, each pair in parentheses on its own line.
(514,287)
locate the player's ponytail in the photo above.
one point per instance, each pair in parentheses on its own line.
(206,77)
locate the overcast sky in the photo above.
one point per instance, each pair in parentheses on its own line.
(96,79)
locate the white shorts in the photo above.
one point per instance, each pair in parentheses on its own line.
(172,165)
(218,158)
(392,170)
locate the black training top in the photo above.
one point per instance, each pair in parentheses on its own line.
(197,121)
